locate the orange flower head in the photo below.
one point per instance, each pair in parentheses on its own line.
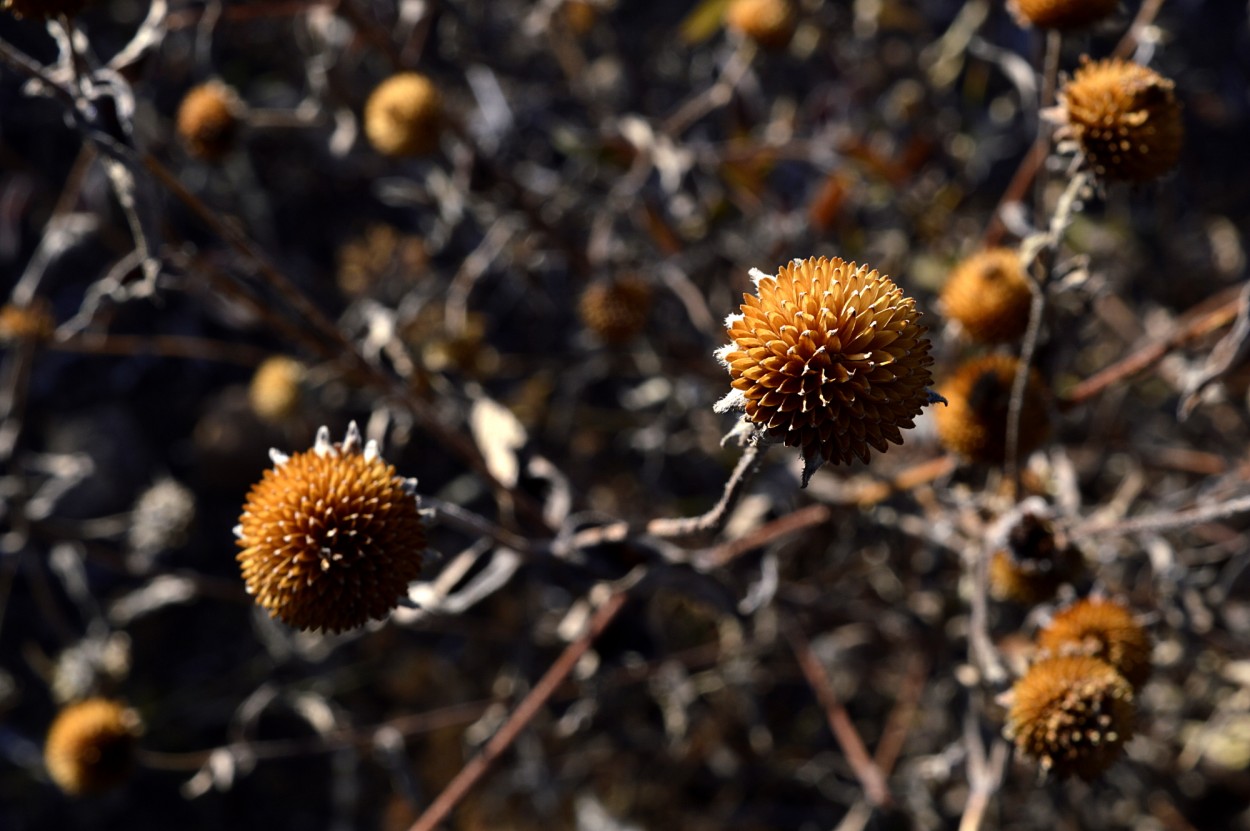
(1062,14)
(404,116)
(827,356)
(331,537)
(208,120)
(988,293)
(1125,118)
(1073,714)
(90,746)
(1034,564)
(770,23)
(1101,629)
(616,310)
(974,421)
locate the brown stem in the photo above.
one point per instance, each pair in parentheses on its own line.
(529,707)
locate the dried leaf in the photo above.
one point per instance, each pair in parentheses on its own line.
(499,435)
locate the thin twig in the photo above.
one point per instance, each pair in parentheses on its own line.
(866,770)
(529,707)
(714,519)
(1166,522)
(169,346)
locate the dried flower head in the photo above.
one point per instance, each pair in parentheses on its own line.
(90,746)
(379,255)
(331,537)
(616,309)
(33,322)
(160,520)
(276,389)
(208,120)
(1102,629)
(978,395)
(404,115)
(988,293)
(579,16)
(1124,117)
(828,356)
(770,23)
(43,9)
(1034,564)
(1072,713)
(1062,14)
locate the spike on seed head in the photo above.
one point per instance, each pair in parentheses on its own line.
(1124,117)
(1102,629)
(827,356)
(1071,713)
(90,746)
(331,537)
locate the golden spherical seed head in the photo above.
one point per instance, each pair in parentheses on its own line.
(1071,713)
(830,357)
(275,392)
(90,746)
(404,115)
(973,423)
(770,23)
(1102,629)
(988,293)
(208,120)
(616,310)
(43,9)
(1062,14)
(331,537)
(1125,118)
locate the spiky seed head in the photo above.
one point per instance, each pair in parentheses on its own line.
(208,120)
(973,423)
(770,23)
(33,322)
(616,310)
(1102,629)
(1062,14)
(382,252)
(830,357)
(331,537)
(43,9)
(90,746)
(404,116)
(988,293)
(276,389)
(1034,564)
(1072,714)
(1124,117)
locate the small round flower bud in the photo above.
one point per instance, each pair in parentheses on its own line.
(770,23)
(973,423)
(616,310)
(1073,714)
(404,115)
(43,9)
(1125,118)
(988,293)
(275,392)
(1062,14)
(331,537)
(1102,629)
(90,746)
(830,357)
(208,120)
